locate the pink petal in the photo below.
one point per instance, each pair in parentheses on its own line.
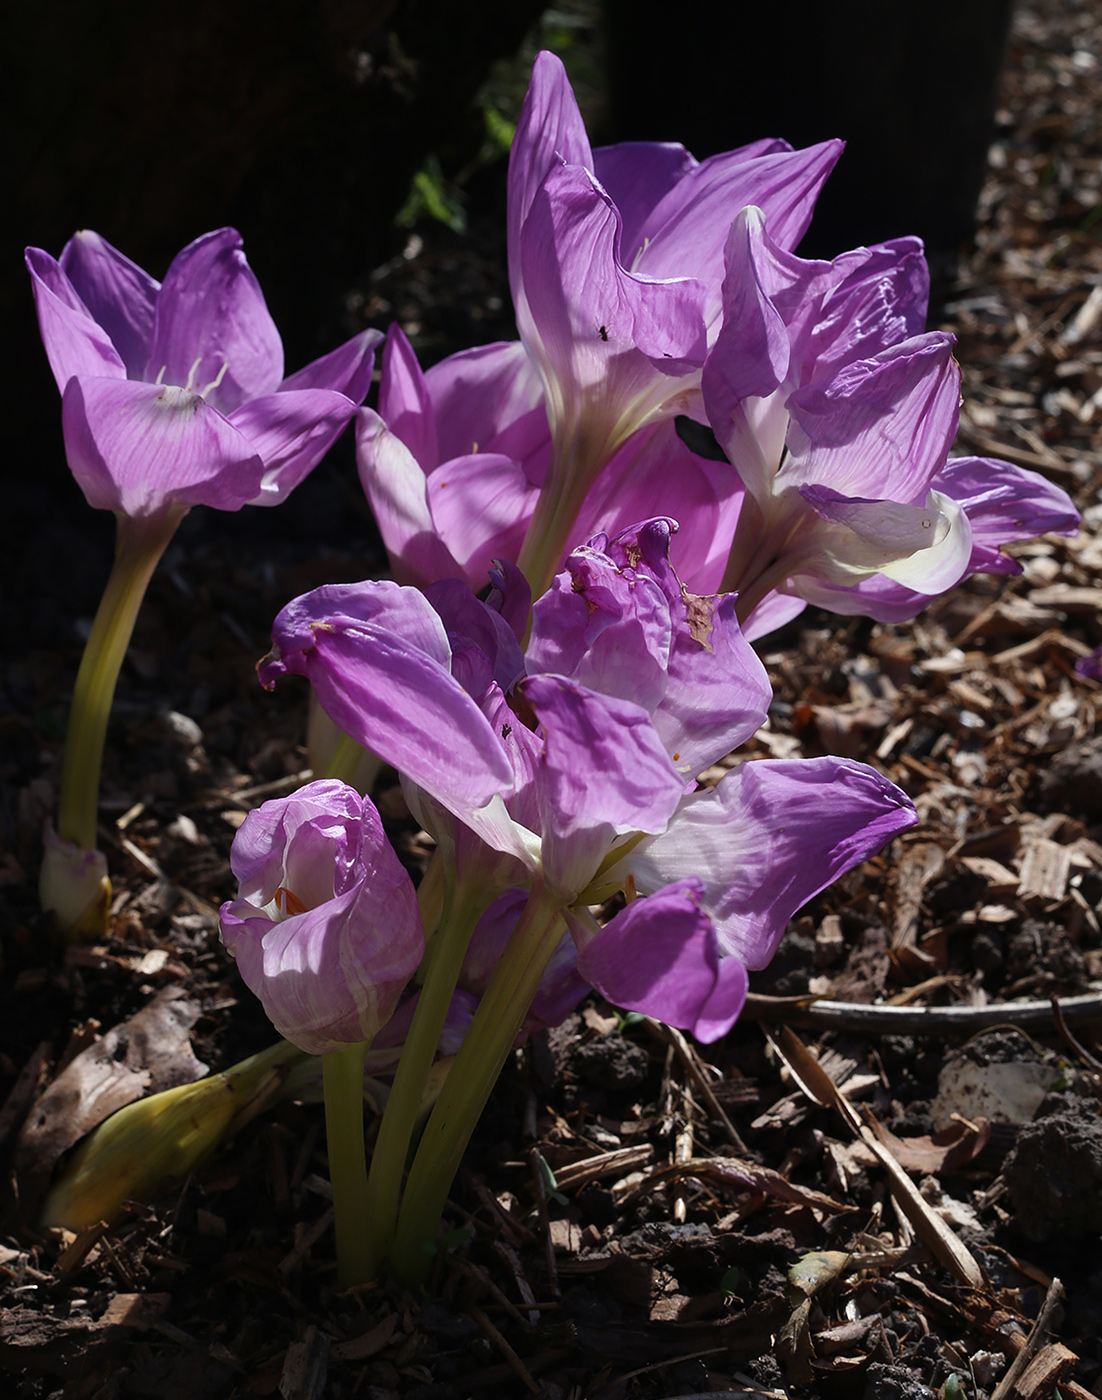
(346,370)
(397,491)
(139,448)
(74,341)
(292,430)
(481,506)
(404,401)
(768,838)
(211,310)
(120,296)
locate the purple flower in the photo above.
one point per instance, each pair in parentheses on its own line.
(632,687)
(325,927)
(174,395)
(452,462)
(838,415)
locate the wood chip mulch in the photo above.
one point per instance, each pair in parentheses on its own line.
(886,1182)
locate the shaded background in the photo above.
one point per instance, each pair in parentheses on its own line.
(303,122)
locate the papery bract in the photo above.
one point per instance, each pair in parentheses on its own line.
(325,928)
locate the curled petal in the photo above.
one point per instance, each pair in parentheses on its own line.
(922,546)
(769,837)
(212,330)
(140,448)
(1004,503)
(661,956)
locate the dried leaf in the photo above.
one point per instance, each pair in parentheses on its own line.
(145,1054)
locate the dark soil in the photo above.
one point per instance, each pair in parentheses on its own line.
(635,1218)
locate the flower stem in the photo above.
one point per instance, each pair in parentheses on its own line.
(343,1081)
(463,906)
(485,1048)
(138,547)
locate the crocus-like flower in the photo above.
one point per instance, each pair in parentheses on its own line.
(452,461)
(174,394)
(325,928)
(632,687)
(615,263)
(838,415)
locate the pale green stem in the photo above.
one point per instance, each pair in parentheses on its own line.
(463,907)
(343,1081)
(485,1048)
(579,458)
(139,545)
(344,760)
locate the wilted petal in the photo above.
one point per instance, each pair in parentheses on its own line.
(717,693)
(378,658)
(769,837)
(120,296)
(397,491)
(138,448)
(660,956)
(74,341)
(604,628)
(292,430)
(211,310)
(481,506)
(346,370)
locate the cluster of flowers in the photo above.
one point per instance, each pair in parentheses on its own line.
(697,434)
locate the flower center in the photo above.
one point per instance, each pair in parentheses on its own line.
(287,902)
